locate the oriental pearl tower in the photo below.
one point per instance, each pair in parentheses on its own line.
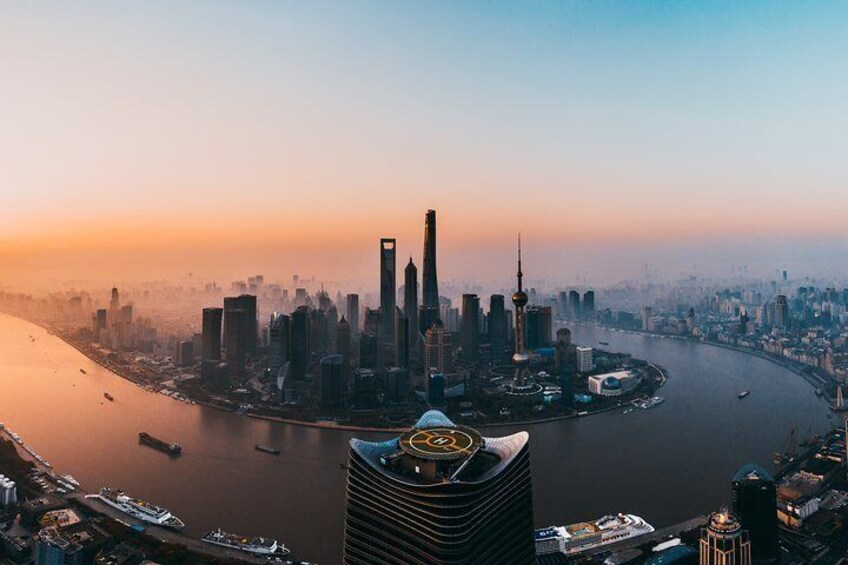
(523,390)
(519,298)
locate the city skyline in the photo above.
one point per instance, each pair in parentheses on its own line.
(309,282)
(226,138)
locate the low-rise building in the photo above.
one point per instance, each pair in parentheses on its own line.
(613,384)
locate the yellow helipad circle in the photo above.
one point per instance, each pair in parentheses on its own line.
(440,443)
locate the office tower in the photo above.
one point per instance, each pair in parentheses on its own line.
(562,305)
(439,494)
(532,328)
(647,314)
(469,334)
(353,314)
(247,302)
(324,302)
(101,322)
(410,300)
(498,330)
(429,282)
(234,340)
(197,344)
(332,381)
(343,345)
(249,330)
(212,319)
(300,346)
(397,386)
(438,350)
(331,322)
(368,351)
(546,322)
(519,300)
(585,359)
(124,327)
(573,304)
(364,389)
(278,346)
(588,310)
(388,290)
(743,321)
(402,335)
(724,542)
(427,316)
(781,311)
(185,353)
(114,307)
(372,321)
(754,501)
(8,491)
(434,389)
(318,332)
(565,357)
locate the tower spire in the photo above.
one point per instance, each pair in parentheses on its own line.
(520,274)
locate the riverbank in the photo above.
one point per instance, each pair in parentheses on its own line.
(797,368)
(347,428)
(678,461)
(323,425)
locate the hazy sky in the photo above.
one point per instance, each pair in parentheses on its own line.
(164,137)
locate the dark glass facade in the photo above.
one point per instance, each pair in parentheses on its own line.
(440,494)
(429,282)
(754,499)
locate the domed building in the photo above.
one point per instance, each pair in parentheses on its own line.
(611,386)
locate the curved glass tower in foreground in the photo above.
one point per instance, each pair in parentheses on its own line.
(439,494)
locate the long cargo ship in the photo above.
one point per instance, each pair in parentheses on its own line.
(267,449)
(585,536)
(172,449)
(259,546)
(140,509)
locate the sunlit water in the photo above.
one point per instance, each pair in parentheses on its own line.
(666,464)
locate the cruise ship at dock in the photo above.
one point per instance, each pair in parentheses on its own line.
(585,536)
(257,545)
(139,509)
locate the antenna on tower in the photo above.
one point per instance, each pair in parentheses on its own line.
(520,274)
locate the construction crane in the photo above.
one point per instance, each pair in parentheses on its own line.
(791,447)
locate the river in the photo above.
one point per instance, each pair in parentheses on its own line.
(666,464)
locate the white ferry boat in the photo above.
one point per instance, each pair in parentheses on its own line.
(139,509)
(585,536)
(257,545)
(647,403)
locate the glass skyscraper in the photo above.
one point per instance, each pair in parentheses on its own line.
(440,494)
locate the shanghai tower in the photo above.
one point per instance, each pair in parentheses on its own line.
(430,285)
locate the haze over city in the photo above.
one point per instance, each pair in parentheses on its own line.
(152,140)
(423,283)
